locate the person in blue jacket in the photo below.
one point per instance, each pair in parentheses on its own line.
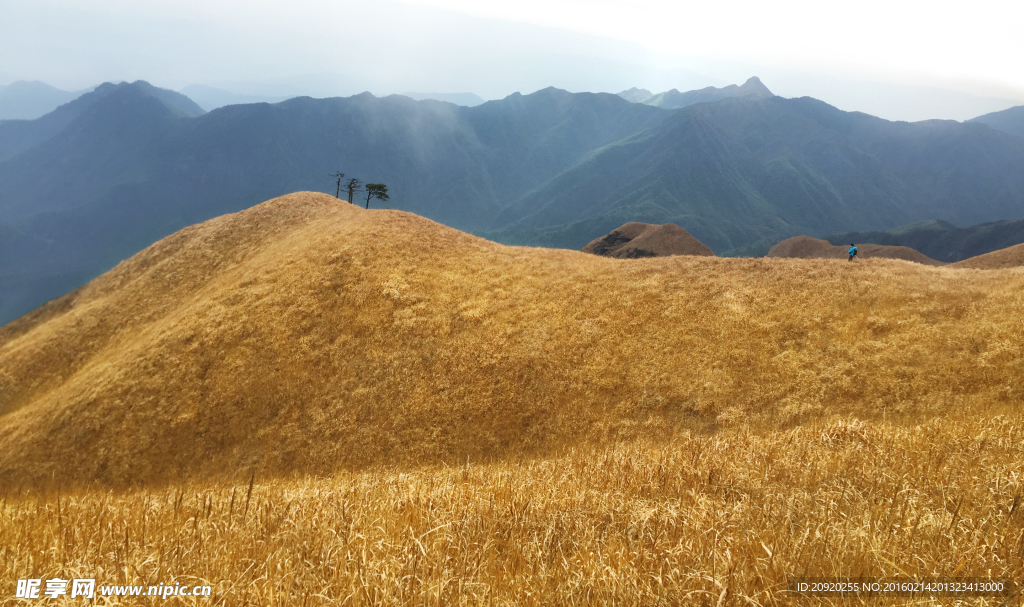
(852,251)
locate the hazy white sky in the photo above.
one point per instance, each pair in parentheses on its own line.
(868,55)
(978,44)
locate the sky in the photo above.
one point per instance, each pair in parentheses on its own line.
(898,59)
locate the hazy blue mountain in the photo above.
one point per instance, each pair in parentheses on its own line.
(128,167)
(673,99)
(636,95)
(743,170)
(1008,121)
(25,100)
(942,240)
(210,98)
(17,136)
(464,99)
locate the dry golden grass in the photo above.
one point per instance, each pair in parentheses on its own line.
(718,520)
(435,419)
(1010,257)
(305,335)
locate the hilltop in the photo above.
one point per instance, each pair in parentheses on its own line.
(635,239)
(306,335)
(805,247)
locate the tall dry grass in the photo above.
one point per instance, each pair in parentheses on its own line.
(719,519)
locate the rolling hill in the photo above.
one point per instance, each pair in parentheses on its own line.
(306,335)
(634,240)
(1010,257)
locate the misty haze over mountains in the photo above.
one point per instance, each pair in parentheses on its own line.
(102,177)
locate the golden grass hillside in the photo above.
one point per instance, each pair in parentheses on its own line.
(1010,257)
(309,336)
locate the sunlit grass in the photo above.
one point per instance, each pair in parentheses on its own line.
(719,519)
(657,431)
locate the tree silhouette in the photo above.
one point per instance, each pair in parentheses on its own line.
(378,191)
(337,193)
(353,186)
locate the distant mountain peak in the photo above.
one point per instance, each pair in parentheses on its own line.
(636,95)
(463,99)
(754,87)
(177,103)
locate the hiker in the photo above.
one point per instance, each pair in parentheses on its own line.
(852,251)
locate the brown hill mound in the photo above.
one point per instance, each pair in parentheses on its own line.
(1010,257)
(805,247)
(308,335)
(635,239)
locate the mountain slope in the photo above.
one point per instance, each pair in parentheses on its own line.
(1009,121)
(306,335)
(741,170)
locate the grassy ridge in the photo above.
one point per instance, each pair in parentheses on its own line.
(309,336)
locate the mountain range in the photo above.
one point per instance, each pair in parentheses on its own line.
(466,99)
(753,88)
(114,170)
